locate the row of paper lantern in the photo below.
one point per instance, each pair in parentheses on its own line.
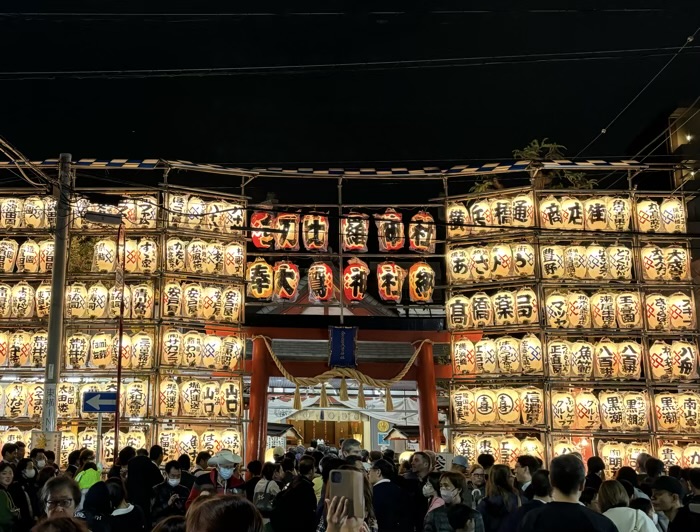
(30,257)
(508,406)
(611,410)
(33,212)
(188,441)
(671,453)
(194,301)
(505,449)
(677,411)
(194,398)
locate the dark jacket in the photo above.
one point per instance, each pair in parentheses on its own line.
(494,510)
(390,503)
(512,522)
(162,493)
(249,487)
(130,519)
(295,507)
(418,505)
(143,475)
(687,518)
(210,482)
(187,479)
(438,521)
(593,481)
(24,495)
(97,508)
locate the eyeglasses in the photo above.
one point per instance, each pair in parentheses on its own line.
(62,503)
(478,474)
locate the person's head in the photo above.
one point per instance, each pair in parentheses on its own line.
(60,497)
(278,453)
(350,447)
(459,516)
(612,494)
(666,493)
(126,454)
(202,459)
(628,474)
(380,470)
(477,476)
(173,473)
(142,452)
(218,513)
(525,466)
(97,500)
(307,467)
(459,465)
(596,466)
(318,456)
(389,455)
(500,483)
(642,462)
(452,487)
(375,455)
(589,498)
(74,457)
(328,464)
(675,471)
(7,474)
(694,479)
(364,454)
(225,462)
(567,476)
(174,523)
(272,471)
(86,455)
(184,461)
(288,465)
(26,469)
(117,491)
(431,487)
(156,454)
(254,468)
(61,524)
(9,452)
(421,464)
(39,457)
(645,506)
(21,450)
(655,468)
(541,486)
(486,461)
(50,457)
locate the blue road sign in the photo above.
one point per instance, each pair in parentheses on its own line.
(100,402)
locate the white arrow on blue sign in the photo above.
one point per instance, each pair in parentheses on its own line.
(100,402)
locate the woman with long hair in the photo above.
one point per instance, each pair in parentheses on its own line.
(614,504)
(24,494)
(9,513)
(501,499)
(267,489)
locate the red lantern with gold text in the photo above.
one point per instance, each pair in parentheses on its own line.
(421,283)
(262,220)
(314,232)
(286,281)
(320,278)
(390,277)
(421,233)
(355,278)
(287,235)
(354,230)
(390,229)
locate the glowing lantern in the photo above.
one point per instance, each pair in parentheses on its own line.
(597,262)
(11,213)
(480,263)
(101,350)
(628,311)
(192,349)
(171,351)
(50,204)
(532,447)
(619,214)
(422,233)
(142,350)
(677,261)
(488,445)
(131,256)
(8,255)
(458,265)
(88,388)
(504,308)
(523,260)
(177,209)
(670,454)
(691,456)
(649,216)
(104,257)
(15,400)
(582,354)
(603,310)
(234,260)
(657,312)
(127,209)
(619,262)
(175,255)
(126,350)
(13,435)
(481,217)
(28,257)
(552,260)
(596,214)
(578,310)
(688,411)
(685,360)
(458,220)
(354,230)
(233,217)
(559,357)
(501,261)
(148,255)
(653,263)
(4,347)
(556,309)
(211,350)
(210,441)
(5,300)
(196,209)
(672,216)
(231,439)
(42,297)
(485,358)
(572,214)
(390,278)
(232,304)
(390,230)
(232,398)
(191,397)
(20,347)
(97,301)
(39,345)
(666,405)
(421,283)
(464,445)
(142,301)
(501,212)
(192,300)
(320,281)
(509,450)
(136,399)
(458,313)
(135,439)
(33,213)
(482,312)
(563,410)
(196,256)
(355,277)
(314,232)
(530,349)
(485,406)
(635,413)
(607,360)
(168,440)
(463,361)
(508,355)
(661,360)
(260,278)
(551,215)
(214,215)
(612,408)
(562,447)
(23,297)
(77,350)
(587,411)
(211,404)
(463,408)
(507,405)
(188,443)
(211,302)
(146,212)
(681,310)
(65,400)
(287,237)
(172,299)
(231,353)
(115,299)
(523,211)
(46,256)
(630,359)
(613,455)
(575,262)
(69,443)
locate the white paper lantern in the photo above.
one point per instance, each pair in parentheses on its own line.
(234,260)
(131,255)
(231,439)
(504,308)
(653,263)
(169,398)
(232,398)
(463,355)
(97,301)
(177,209)
(485,406)
(563,410)
(20,346)
(195,212)
(562,447)
(214,217)
(101,355)
(191,397)
(458,220)
(66,403)
(523,209)
(660,360)
(530,349)
(211,302)
(619,214)
(146,212)
(489,445)
(39,345)
(612,409)
(559,358)
(670,454)
(578,310)
(42,298)
(214,258)
(125,352)
(685,360)
(172,348)
(115,298)
(50,204)
(8,255)
(485,357)
(481,216)
(607,360)
(501,212)
(691,456)
(613,455)
(211,402)
(648,216)
(142,350)
(137,399)
(76,301)
(168,439)
(628,310)
(104,256)
(232,304)
(482,312)
(501,261)
(464,445)
(175,255)
(532,406)
(597,262)
(196,256)
(457,263)
(148,255)
(596,213)
(508,355)
(28,257)
(572,214)
(552,261)
(689,412)
(575,262)
(463,407)
(135,438)
(15,400)
(681,311)
(635,411)
(23,297)
(509,451)
(630,359)
(666,405)
(532,447)
(33,213)
(13,435)
(5,300)
(523,260)
(603,310)
(582,355)
(458,313)
(672,216)
(210,441)
(69,443)
(551,214)
(480,263)
(211,350)
(142,302)
(587,411)
(11,213)
(677,261)
(231,354)
(172,299)
(192,343)
(192,300)
(555,307)
(508,405)
(47,251)
(657,312)
(619,262)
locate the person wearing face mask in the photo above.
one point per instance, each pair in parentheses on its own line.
(39,458)
(221,480)
(453,489)
(431,491)
(24,494)
(170,495)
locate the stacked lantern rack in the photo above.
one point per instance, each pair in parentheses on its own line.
(571,331)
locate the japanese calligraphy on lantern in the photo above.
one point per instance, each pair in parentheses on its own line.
(458,220)
(286,281)
(354,231)
(262,221)
(421,283)
(422,233)
(390,230)
(457,264)
(390,278)
(458,315)
(287,235)
(260,279)
(314,231)
(320,280)
(355,276)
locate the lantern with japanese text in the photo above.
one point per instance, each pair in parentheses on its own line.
(262,221)
(670,454)
(481,218)
(672,216)
(4,347)
(13,435)
(488,445)
(104,256)
(458,220)
(192,349)
(501,261)
(211,350)
(50,204)
(214,258)
(575,262)
(169,397)
(390,278)
(135,438)
(582,354)
(685,360)
(28,257)
(146,212)
(33,213)
(69,443)
(101,350)
(5,300)
(191,397)
(195,256)
(691,456)
(657,312)
(231,353)
(355,277)
(509,450)
(619,262)
(485,357)
(464,445)
(562,447)
(587,411)
(462,350)
(8,255)
(210,441)
(231,439)
(523,260)
(463,407)
(613,455)
(572,214)
(23,298)
(320,281)
(97,301)
(578,310)
(211,403)
(559,358)
(314,232)
(681,311)
(42,297)
(354,231)
(619,214)
(603,310)
(126,350)
(508,355)
(188,443)
(504,308)
(232,218)
(552,261)
(481,310)
(666,406)
(137,399)
(260,276)
(501,212)
(211,301)
(115,297)
(457,261)
(15,400)
(214,218)
(563,410)
(607,361)
(630,359)
(648,216)
(677,263)
(551,216)
(532,447)
(661,360)
(457,313)
(485,406)
(127,210)
(171,351)
(11,213)
(556,309)
(653,263)
(232,398)
(172,299)
(287,235)
(192,300)
(232,304)
(196,209)
(532,406)
(66,403)
(88,388)
(131,255)
(142,350)
(597,262)
(480,263)
(612,409)
(47,250)
(177,209)
(422,233)
(508,405)
(523,211)
(689,412)
(421,283)
(77,350)
(168,440)
(39,344)
(635,411)
(19,349)
(628,310)
(234,260)
(175,255)
(530,349)
(142,301)
(596,213)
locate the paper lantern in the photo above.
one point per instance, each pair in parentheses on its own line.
(104,256)
(635,412)
(648,216)
(688,412)
(8,255)
(19,349)
(562,447)
(596,213)
(87,388)
(97,301)
(653,263)
(607,360)
(501,261)
(33,213)
(463,355)
(214,215)
(231,353)
(481,309)
(210,441)
(612,409)
(146,212)
(661,360)
(422,233)
(115,300)
(619,214)
(582,354)
(23,297)
(15,400)
(192,300)
(463,407)
(677,261)
(587,411)
(354,230)
(66,403)
(390,278)
(191,397)
(260,278)
(69,443)
(127,209)
(232,304)
(47,250)
(578,310)
(131,255)
(523,260)
(523,210)
(630,359)
(633,451)
(101,355)
(465,445)
(4,350)
(603,310)
(421,283)
(691,456)
(168,439)
(13,435)
(628,311)
(231,439)
(685,360)
(390,230)
(5,300)
(136,399)
(188,443)
(314,232)
(485,406)
(670,454)
(480,263)
(504,308)
(559,358)
(556,309)
(672,215)
(320,281)
(192,349)
(572,214)
(532,406)
(681,311)
(77,350)
(613,455)
(509,450)
(175,255)
(28,257)
(619,262)
(172,299)
(458,313)
(42,298)
(657,312)
(355,277)
(485,357)
(508,405)
(196,256)
(597,262)
(488,445)
(234,260)
(142,301)
(457,261)
(125,352)
(551,215)
(530,349)
(532,447)
(169,397)
(148,255)
(233,218)
(39,345)
(50,204)
(211,403)
(142,350)
(196,209)
(508,355)
(481,218)
(575,262)
(232,398)
(666,406)
(287,235)
(11,213)
(458,220)
(563,410)
(177,209)
(135,439)
(501,212)
(211,350)
(172,348)
(552,261)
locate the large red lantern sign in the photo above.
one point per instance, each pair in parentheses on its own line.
(262,220)
(355,278)
(390,277)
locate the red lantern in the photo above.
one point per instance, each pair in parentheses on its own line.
(390,229)
(421,283)
(314,232)
(262,220)
(421,233)
(287,237)
(320,282)
(355,278)
(390,277)
(286,281)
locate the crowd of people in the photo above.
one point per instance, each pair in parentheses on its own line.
(291,493)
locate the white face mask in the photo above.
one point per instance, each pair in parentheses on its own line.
(40,464)
(173,481)
(226,472)
(447,495)
(30,473)
(428,490)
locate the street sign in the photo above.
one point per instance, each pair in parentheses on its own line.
(100,402)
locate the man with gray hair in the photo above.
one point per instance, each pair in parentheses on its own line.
(350,447)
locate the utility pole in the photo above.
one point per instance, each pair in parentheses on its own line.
(58,303)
